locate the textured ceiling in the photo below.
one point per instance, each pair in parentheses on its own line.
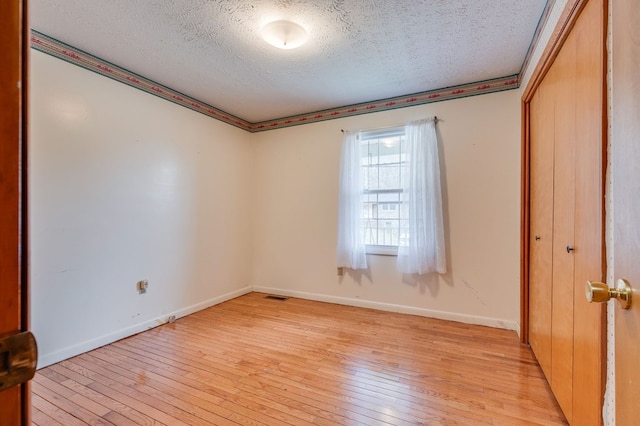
(358,51)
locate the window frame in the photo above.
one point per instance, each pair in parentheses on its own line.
(396,131)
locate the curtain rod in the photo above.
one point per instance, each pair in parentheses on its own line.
(435,119)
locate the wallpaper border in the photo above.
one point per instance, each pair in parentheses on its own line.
(43,43)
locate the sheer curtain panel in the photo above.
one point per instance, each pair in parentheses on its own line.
(424,252)
(351,250)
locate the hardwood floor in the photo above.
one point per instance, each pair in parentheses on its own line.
(257,361)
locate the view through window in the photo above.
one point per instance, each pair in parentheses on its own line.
(384,214)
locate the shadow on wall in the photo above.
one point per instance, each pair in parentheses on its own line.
(357,275)
(427,281)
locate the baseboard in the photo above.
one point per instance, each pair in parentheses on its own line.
(403,309)
(51,358)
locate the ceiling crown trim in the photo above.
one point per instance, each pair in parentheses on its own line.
(445,94)
(68,53)
(60,50)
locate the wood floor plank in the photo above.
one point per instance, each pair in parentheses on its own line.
(39,418)
(256,361)
(143,383)
(67,394)
(67,405)
(136,395)
(122,409)
(56,413)
(206,393)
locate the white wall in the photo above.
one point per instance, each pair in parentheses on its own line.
(296,192)
(125,186)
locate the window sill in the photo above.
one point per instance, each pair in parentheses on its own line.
(383,250)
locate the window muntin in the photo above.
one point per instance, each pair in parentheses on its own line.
(384,213)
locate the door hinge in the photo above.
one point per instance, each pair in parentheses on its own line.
(18,359)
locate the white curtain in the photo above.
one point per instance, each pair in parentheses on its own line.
(351,251)
(425,251)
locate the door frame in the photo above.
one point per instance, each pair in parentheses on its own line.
(560,33)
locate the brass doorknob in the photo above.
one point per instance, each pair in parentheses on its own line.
(600,292)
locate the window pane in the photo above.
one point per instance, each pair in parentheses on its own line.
(383,212)
(370,164)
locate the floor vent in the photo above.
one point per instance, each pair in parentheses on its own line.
(275,297)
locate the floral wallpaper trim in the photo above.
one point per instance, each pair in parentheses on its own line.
(58,49)
(68,53)
(455,92)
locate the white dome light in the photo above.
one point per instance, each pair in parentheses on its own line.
(284,34)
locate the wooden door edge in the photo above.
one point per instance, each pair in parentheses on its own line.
(25,295)
(524,225)
(605,162)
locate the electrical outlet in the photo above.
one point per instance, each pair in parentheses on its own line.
(171,319)
(141,286)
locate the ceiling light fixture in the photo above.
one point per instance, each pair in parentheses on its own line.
(284,34)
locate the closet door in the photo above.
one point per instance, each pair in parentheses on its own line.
(552,211)
(566,146)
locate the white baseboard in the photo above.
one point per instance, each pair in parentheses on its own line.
(60,355)
(430,313)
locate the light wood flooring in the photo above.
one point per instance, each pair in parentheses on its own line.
(257,361)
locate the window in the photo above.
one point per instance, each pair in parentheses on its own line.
(390,200)
(383,214)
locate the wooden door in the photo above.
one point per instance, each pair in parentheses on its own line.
(625,171)
(14,402)
(566,151)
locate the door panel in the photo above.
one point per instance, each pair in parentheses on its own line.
(625,154)
(541,226)
(563,227)
(589,319)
